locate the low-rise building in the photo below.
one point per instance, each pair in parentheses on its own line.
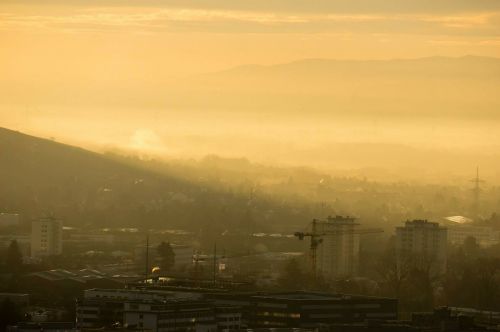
(485,236)
(43,326)
(306,309)
(60,285)
(91,238)
(19,299)
(104,307)
(9,219)
(205,310)
(154,310)
(228,317)
(171,315)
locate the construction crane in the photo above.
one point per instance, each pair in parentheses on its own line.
(315,242)
(316,238)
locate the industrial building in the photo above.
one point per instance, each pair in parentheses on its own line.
(171,315)
(182,309)
(306,309)
(154,310)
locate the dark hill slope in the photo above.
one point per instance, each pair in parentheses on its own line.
(40,176)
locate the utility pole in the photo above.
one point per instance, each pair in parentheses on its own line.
(215,263)
(315,242)
(147,255)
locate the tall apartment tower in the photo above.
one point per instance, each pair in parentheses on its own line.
(46,237)
(421,244)
(338,253)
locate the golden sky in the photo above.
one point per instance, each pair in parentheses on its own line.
(112,70)
(137,38)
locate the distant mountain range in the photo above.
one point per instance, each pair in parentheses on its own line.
(441,64)
(437,86)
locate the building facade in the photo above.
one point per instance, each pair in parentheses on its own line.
(306,309)
(105,307)
(172,315)
(485,236)
(46,237)
(338,252)
(421,244)
(154,310)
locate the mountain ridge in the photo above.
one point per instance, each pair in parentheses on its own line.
(351,61)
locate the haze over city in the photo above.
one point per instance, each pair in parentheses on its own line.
(249,165)
(323,85)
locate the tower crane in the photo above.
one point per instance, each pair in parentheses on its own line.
(315,242)
(316,238)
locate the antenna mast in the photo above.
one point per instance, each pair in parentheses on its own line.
(476,192)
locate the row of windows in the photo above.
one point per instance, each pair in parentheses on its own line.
(278,314)
(182,324)
(228,319)
(231,327)
(185,315)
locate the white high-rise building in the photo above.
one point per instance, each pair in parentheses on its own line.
(421,244)
(338,252)
(46,237)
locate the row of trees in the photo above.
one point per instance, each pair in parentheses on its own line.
(13,258)
(472,280)
(166,255)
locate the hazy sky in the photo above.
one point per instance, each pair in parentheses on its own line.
(100,69)
(137,39)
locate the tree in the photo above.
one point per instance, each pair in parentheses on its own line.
(393,273)
(9,314)
(410,278)
(474,283)
(14,257)
(167,256)
(471,247)
(293,276)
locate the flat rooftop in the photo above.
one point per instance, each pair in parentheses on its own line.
(302,296)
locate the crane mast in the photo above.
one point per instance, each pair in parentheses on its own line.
(316,238)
